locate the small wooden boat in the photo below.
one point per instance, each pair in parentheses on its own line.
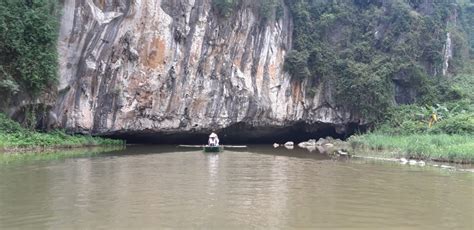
(223,146)
(213,149)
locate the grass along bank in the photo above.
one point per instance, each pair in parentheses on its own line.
(29,140)
(457,148)
(57,154)
(13,137)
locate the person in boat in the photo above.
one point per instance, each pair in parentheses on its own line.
(213,140)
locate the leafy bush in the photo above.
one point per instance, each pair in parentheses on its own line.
(9,126)
(459,123)
(450,118)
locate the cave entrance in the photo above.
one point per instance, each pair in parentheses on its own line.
(241,133)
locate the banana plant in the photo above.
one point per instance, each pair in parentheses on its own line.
(436,113)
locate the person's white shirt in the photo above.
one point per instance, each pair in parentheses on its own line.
(213,140)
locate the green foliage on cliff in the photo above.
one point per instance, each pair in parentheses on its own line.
(270,9)
(28,35)
(265,9)
(467,20)
(369,51)
(297,64)
(224,7)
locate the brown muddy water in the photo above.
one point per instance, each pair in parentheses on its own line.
(155,187)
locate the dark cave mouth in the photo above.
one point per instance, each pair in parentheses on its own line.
(241,133)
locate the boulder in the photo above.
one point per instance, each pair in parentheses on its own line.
(342,153)
(447,167)
(328,145)
(310,142)
(322,141)
(403,160)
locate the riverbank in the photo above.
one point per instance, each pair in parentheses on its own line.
(455,148)
(55,154)
(35,141)
(14,138)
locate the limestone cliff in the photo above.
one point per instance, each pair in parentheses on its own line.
(176,66)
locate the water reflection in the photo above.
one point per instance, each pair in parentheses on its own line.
(213,170)
(310,148)
(279,188)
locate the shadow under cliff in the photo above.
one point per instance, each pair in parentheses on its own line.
(241,133)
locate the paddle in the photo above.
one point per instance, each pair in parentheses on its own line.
(200,146)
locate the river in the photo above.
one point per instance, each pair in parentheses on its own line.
(153,187)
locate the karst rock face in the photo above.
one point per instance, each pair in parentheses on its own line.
(177,66)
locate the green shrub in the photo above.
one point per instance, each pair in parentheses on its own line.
(459,123)
(9,126)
